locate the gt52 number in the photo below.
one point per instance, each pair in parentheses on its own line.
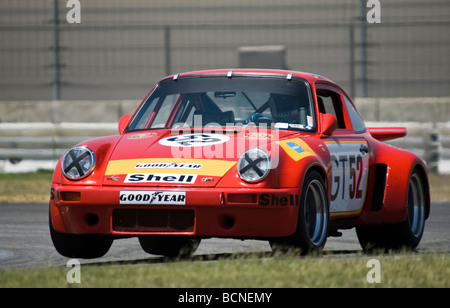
(349,162)
(353,165)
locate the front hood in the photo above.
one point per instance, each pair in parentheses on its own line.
(192,159)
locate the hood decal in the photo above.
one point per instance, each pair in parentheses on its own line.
(205,167)
(296,148)
(194,140)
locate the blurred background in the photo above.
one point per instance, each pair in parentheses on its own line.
(56,72)
(121,48)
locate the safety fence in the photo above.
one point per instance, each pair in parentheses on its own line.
(121,48)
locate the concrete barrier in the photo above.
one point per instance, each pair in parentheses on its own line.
(65,111)
(430,141)
(266,56)
(44,130)
(418,109)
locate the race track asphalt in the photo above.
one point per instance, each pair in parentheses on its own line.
(25,241)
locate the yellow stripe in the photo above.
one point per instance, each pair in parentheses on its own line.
(349,213)
(293,153)
(209,167)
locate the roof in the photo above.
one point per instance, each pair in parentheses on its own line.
(229,73)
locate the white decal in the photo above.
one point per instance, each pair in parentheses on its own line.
(281,125)
(153,197)
(160,178)
(194,140)
(157,165)
(350,171)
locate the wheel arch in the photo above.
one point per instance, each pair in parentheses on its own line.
(324,174)
(400,165)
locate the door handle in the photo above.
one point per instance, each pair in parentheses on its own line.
(364,149)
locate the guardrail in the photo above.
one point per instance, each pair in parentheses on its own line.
(430,141)
(49,141)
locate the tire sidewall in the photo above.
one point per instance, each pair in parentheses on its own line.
(302,236)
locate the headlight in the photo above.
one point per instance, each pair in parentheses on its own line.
(254,165)
(78,163)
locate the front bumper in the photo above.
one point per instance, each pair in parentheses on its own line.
(202,212)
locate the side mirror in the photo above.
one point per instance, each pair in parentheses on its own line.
(123,123)
(328,124)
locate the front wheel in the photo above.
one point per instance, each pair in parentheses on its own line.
(84,246)
(406,234)
(313,217)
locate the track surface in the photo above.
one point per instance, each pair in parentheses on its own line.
(25,240)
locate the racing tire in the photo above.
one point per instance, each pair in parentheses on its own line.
(313,219)
(169,246)
(404,235)
(83,246)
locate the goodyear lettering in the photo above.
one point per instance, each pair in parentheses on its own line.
(168,166)
(147,197)
(153,197)
(277,200)
(161,178)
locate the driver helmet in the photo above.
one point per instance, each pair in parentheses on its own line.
(284,108)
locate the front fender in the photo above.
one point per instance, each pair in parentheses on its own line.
(291,160)
(102,147)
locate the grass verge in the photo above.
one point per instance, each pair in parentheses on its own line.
(25,187)
(398,270)
(401,270)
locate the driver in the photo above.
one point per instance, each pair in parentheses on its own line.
(284,108)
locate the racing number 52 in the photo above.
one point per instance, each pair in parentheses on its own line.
(356,170)
(349,166)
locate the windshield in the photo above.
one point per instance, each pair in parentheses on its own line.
(220,101)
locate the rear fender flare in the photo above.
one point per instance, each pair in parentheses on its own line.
(400,165)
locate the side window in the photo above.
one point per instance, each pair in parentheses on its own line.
(358,123)
(330,102)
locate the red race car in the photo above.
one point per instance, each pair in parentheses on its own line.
(276,155)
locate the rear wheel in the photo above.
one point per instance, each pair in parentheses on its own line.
(169,246)
(406,234)
(313,217)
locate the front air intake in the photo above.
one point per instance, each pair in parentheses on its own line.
(157,220)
